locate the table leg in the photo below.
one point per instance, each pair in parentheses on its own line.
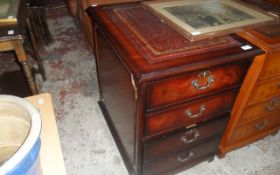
(22,58)
(29,78)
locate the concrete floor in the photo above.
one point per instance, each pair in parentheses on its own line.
(88,147)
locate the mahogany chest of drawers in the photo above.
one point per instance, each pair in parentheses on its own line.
(166,100)
(256,112)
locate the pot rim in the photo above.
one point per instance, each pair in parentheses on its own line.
(31,138)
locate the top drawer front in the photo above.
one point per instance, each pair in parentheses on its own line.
(198,83)
(271,66)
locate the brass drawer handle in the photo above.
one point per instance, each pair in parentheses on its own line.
(193,135)
(203,74)
(274,104)
(188,112)
(184,159)
(276,101)
(261,125)
(269,108)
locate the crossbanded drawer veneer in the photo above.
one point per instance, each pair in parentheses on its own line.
(256,112)
(166,100)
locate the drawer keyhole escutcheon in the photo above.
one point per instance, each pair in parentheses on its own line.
(274,104)
(190,136)
(261,125)
(188,112)
(185,158)
(206,74)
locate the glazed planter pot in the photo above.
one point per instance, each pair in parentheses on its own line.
(20,127)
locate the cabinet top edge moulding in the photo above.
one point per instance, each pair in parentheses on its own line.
(154,50)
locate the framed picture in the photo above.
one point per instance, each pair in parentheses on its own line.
(200,19)
(8,11)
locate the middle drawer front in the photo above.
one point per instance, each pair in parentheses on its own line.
(258,110)
(265,90)
(189,114)
(183,138)
(199,83)
(180,159)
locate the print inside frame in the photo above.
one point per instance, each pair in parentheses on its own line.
(201,19)
(9,11)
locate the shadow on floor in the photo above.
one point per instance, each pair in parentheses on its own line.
(13,83)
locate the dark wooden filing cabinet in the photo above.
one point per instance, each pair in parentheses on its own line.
(165,99)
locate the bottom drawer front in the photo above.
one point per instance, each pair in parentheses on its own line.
(256,111)
(183,138)
(256,127)
(182,159)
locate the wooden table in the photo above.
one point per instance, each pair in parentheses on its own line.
(15,44)
(51,158)
(12,29)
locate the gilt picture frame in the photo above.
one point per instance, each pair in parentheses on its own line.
(201,19)
(8,11)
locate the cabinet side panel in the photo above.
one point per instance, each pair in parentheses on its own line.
(118,96)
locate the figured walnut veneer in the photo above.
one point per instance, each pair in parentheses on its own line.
(256,112)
